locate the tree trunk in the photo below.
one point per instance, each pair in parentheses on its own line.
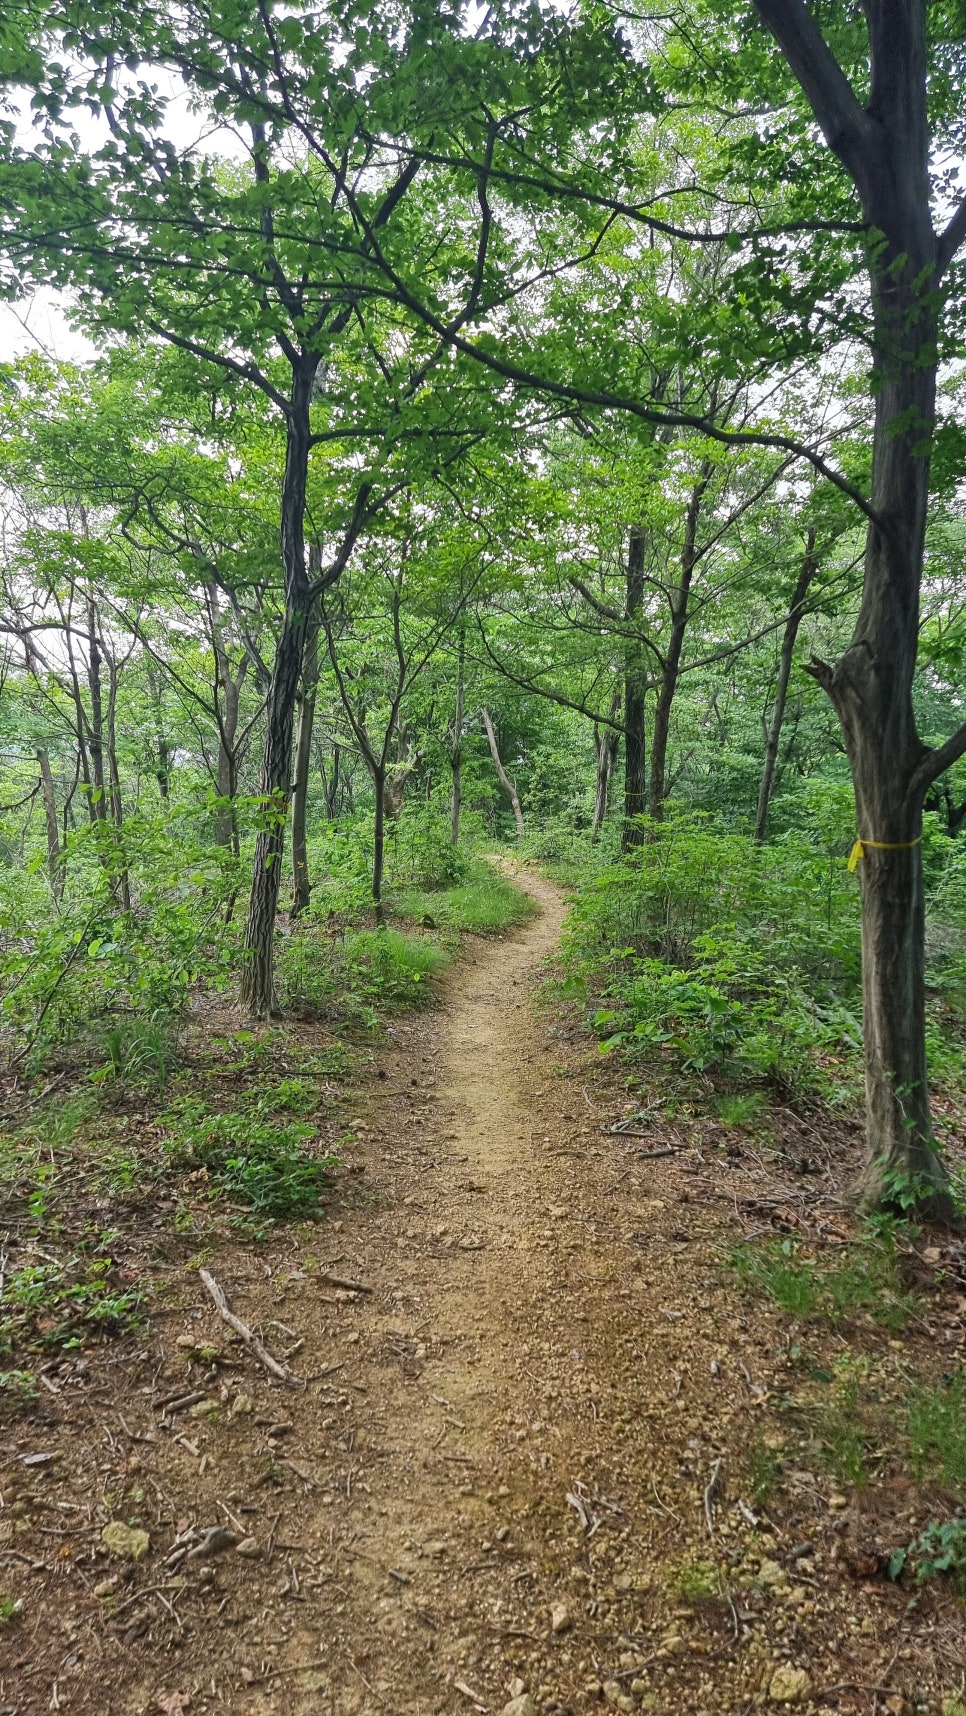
(885,148)
(635,693)
(55,865)
(379,843)
(606,741)
(502,776)
(456,748)
(679,597)
(301,885)
(227,705)
(258,975)
(789,639)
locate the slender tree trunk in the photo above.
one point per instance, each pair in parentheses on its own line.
(885,148)
(331,784)
(679,598)
(114,777)
(55,864)
(302,886)
(258,976)
(635,694)
(456,749)
(379,843)
(606,741)
(502,776)
(789,638)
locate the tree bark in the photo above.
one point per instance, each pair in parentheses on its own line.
(885,150)
(55,865)
(635,693)
(258,975)
(301,882)
(679,597)
(456,746)
(789,639)
(379,842)
(606,741)
(502,776)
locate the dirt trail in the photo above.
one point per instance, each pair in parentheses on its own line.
(517,1464)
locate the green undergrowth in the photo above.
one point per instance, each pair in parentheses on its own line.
(485,903)
(857,1278)
(253,1158)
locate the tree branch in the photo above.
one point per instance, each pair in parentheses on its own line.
(847,128)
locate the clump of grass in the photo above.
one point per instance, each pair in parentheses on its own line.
(140,1053)
(764,1472)
(842,1435)
(865,1278)
(779,1274)
(937,1432)
(486,903)
(251,1158)
(739,1110)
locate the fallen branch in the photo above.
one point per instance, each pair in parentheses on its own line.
(714,1487)
(347,1286)
(228,1316)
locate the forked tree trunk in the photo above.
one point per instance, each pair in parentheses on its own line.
(885,148)
(635,695)
(258,974)
(789,640)
(502,776)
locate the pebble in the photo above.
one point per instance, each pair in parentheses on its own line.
(615,1694)
(560,1618)
(789,1685)
(106,1588)
(770,1575)
(204,1409)
(249,1547)
(522,1706)
(242,1406)
(127,1541)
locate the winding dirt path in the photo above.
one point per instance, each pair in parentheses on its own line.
(516,1470)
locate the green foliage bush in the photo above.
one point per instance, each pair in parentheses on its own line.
(727,956)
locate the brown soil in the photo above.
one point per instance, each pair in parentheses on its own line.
(524,1460)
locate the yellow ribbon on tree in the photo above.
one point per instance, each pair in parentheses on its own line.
(858,851)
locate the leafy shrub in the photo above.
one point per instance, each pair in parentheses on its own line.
(941,1548)
(726,955)
(251,1158)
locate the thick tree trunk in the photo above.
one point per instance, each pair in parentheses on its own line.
(789,639)
(502,776)
(258,975)
(885,149)
(301,882)
(635,694)
(55,865)
(679,598)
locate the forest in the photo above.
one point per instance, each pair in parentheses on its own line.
(479,444)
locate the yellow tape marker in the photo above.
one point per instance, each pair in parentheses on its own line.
(858,851)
